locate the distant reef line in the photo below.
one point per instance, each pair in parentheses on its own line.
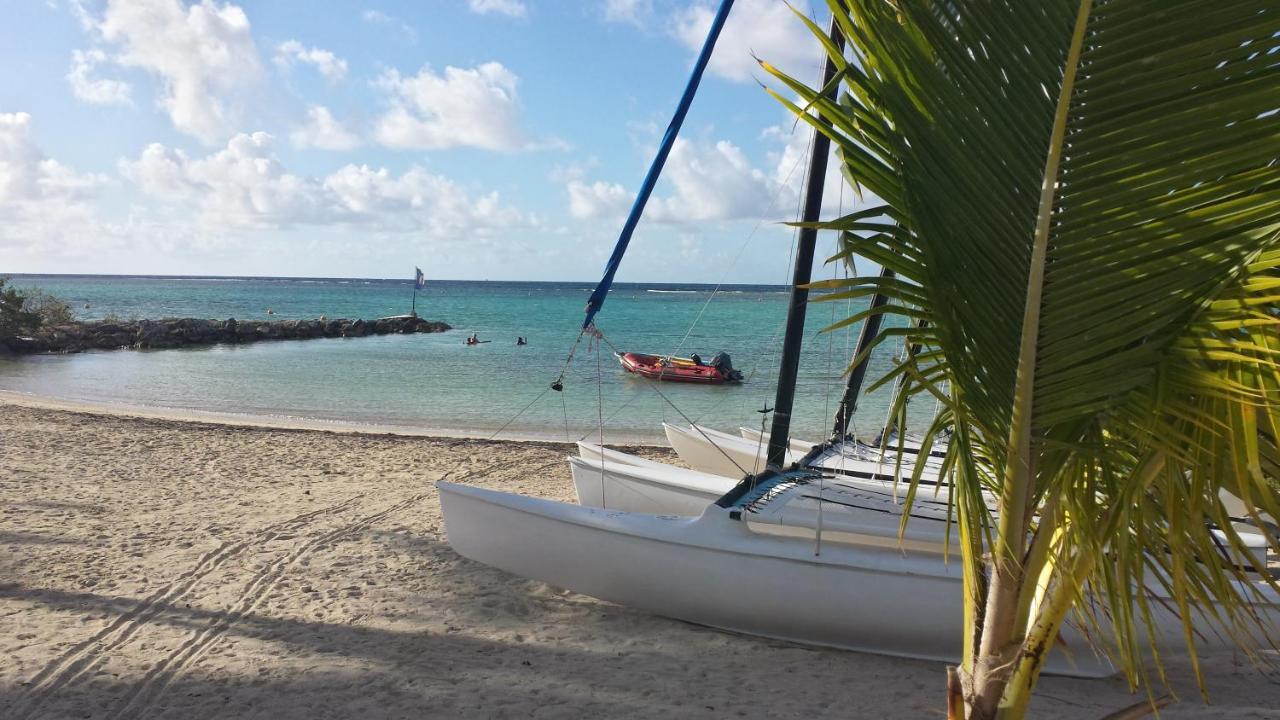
(192,332)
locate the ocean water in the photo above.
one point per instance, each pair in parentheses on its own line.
(436,383)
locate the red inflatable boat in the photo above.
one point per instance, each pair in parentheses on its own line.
(673,369)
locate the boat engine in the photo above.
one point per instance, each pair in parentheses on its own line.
(721,361)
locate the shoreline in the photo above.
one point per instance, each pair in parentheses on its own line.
(200,570)
(290,422)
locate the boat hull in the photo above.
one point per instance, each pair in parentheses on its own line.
(673,369)
(606,483)
(711,570)
(717,453)
(871,516)
(752,435)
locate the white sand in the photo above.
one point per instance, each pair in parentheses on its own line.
(164,569)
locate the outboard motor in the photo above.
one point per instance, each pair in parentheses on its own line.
(720,361)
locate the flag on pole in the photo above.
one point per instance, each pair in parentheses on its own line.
(419,280)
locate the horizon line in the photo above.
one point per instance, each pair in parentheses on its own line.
(191,276)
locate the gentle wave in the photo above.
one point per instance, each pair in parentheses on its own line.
(675,292)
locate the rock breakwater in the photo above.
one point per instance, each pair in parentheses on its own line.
(189,332)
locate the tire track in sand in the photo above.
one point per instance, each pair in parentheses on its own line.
(144,695)
(88,653)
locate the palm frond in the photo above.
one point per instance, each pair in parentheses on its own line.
(1081,204)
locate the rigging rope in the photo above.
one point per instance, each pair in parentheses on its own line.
(692,425)
(564,407)
(775,347)
(849,269)
(835,273)
(515,417)
(777,198)
(596,301)
(600,419)
(592,331)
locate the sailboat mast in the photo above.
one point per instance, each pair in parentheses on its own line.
(780,432)
(870,328)
(596,300)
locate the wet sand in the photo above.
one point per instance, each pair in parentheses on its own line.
(168,569)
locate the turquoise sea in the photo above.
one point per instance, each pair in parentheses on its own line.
(434,382)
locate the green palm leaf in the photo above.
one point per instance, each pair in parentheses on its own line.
(1081,203)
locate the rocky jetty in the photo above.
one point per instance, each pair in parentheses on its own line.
(189,332)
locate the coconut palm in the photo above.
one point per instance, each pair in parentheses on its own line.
(1079,204)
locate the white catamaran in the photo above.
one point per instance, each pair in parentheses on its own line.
(817,555)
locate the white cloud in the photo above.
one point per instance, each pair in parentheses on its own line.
(244,186)
(510,8)
(572,171)
(81,14)
(791,162)
(474,107)
(324,132)
(628,11)
(93,90)
(767,29)
(417,201)
(377,17)
(332,67)
(203,54)
(597,200)
(241,193)
(704,182)
(714,182)
(45,206)
(30,182)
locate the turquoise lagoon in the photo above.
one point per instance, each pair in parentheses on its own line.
(434,382)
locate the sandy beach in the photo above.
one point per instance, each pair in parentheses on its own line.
(155,568)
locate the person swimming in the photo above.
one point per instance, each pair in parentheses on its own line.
(474,339)
(521,341)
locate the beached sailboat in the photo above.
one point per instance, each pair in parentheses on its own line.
(892,444)
(712,451)
(610,478)
(744,568)
(793,555)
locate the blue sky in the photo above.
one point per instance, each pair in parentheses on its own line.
(478,139)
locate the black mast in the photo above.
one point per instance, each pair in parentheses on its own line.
(821,147)
(870,328)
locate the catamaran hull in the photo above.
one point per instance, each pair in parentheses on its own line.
(711,570)
(752,435)
(717,453)
(601,483)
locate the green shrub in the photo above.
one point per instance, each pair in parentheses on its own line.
(50,309)
(22,312)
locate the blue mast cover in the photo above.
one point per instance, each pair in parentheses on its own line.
(596,301)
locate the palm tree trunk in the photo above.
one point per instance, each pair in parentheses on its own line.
(1001,637)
